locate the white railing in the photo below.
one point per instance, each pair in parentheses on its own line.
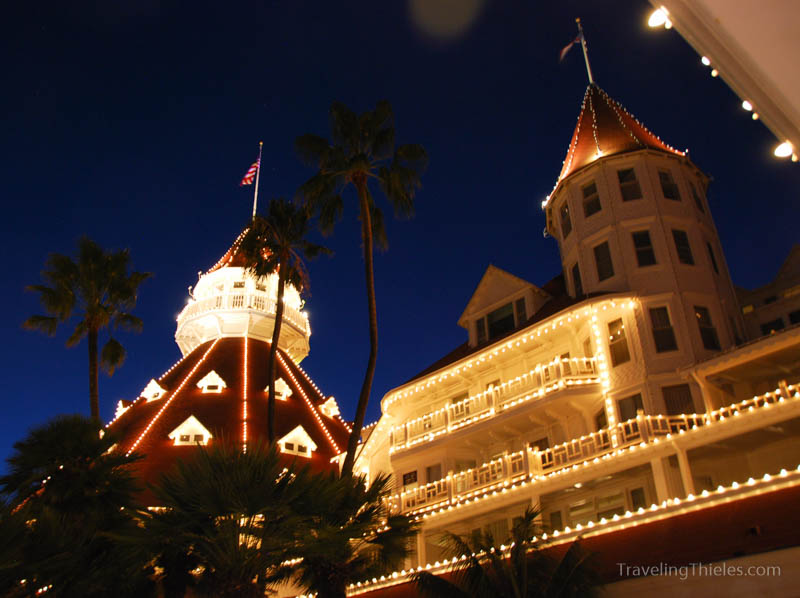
(531,462)
(544,378)
(251,301)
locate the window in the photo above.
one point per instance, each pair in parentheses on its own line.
(434,472)
(481,330)
(576,280)
(628,185)
(238,285)
(663,335)
(770,327)
(678,399)
(602,257)
(199,438)
(638,500)
(184,437)
(707,331)
(601,419)
(645,256)
(238,301)
(500,321)
(289,446)
(668,186)
(617,343)
(565,369)
(542,443)
(556,522)
(566,223)
(770,299)
(410,478)
(712,257)
(628,407)
(587,348)
(794,317)
(261,287)
(591,199)
(697,200)
(519,308)
(682,247)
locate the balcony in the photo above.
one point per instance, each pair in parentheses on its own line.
(531,464)
(541,380)
(259,302)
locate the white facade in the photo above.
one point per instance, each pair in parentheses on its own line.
(605,400)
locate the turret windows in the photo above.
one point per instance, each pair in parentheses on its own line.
(566,223)
(682,247)
(576,280)
(617,343)
(663,335)
(602,258)
(712,258)
(697,200)
(645,256)
(591,199)
(668,186)
(707,331)
(628,185)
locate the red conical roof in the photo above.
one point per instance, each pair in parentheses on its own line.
(237,414)
(232,257)
(605,128)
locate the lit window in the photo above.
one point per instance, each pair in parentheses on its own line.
(591,199)
(663,335)
(602,258)
(185,438)
(628,185)
(682,247)
(617,343)
(645,256)
(566,223)
(707,331)
(668,186)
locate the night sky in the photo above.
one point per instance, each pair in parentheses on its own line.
(133,122)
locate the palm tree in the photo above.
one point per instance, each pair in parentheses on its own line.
(228,522)
(99,289)
(277,243)
(519,569)
(73,493)
(349,536)
(361,151)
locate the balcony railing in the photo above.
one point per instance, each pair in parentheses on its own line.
(245,301)
(531,462)
(539,381)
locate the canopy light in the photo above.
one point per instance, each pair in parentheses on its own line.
(659,18)
(784,150)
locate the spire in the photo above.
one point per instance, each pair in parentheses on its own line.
(605,128)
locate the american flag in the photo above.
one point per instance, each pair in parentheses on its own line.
(251,174)
(567,48)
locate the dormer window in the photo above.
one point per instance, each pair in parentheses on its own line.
(297,442)
(330,407)
(282,390)
(501,320)
(212,383)
(152,391)
(190,432)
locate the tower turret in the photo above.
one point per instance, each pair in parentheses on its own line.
(228,302)
(629,213)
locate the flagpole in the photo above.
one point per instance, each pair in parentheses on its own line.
(258,172)
(585,53)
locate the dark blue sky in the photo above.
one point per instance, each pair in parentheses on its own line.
(132,122)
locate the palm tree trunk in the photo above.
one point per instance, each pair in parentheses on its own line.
(273,350)
(366,387)
(94,396)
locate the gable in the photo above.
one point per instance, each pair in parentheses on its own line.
(212,382)
(190,432)
(297,442)
(152,391)
(495,286)
(282,390)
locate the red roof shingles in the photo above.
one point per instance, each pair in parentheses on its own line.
(605,128)
(222,413)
